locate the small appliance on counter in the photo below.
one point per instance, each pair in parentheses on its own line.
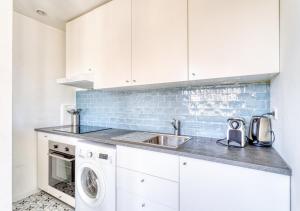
(236,131)
(260,131)
(236,135)
(75,116)
(75,126)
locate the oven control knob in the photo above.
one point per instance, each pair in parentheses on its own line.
(90,154)
(67,149)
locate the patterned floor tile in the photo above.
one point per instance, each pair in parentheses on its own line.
(41,202)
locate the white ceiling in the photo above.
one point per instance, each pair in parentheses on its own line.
(58,11)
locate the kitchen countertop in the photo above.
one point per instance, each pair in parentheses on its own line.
(264,159)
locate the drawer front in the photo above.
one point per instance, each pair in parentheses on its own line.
(61,196)
(154,163)
(130,202)
(44,136)
(159,190)
(57,138)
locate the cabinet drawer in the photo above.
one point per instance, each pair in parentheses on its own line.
(160,191)
(149,162)
(130,202)
(44,136)
(61,196)
(57,138)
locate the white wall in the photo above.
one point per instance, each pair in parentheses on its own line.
(38,60)
(5,104)
(285,94)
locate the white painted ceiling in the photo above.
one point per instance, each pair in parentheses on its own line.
(58,11)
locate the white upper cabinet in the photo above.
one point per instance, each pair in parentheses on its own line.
(114,39)
(159,41)
(99,42)
(233,38)
(72,48)
(82,45)
(140,42)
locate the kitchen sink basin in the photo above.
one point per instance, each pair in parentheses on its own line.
(169,141)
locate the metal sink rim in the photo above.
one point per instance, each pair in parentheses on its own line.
(180,140)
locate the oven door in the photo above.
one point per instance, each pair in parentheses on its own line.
(62,172)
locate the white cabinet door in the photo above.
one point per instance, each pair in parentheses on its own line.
(89,42)
(114,45)
(73,48)
(233,38)
(130,202)
(42,160)
(210,186)
(82,44)
(158,190)
(159,41)
(153,163)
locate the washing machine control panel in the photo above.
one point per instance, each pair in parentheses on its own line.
(85,154)
(103,156)
(89,154)
(94,155)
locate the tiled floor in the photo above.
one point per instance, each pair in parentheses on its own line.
(39,202)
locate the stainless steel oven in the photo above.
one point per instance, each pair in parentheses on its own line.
(62,167)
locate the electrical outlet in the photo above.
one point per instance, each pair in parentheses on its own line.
(275,111)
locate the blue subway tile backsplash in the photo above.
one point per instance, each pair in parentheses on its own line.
(203,110)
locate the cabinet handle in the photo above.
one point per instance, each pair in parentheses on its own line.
(90,69)
(143,205)
(134,81)
(142,180)
(193,74)
(184,163)
(127,81)
(45,136)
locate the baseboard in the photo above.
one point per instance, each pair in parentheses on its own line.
(17,197)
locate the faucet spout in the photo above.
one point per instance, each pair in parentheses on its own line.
(176,125)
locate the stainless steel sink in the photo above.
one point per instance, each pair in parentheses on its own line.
(169,141)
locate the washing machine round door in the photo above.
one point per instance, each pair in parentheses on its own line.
(90,185)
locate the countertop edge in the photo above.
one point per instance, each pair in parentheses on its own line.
(283,171)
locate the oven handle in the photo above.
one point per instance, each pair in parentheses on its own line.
(62,158)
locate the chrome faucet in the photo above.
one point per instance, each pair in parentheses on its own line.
(176,125)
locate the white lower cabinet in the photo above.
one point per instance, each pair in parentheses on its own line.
(130,202)
(155,189)
(152,163)
(210,186)
(147,180)
(43,164)
(42,161)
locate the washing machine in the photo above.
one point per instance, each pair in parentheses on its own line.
(95,177)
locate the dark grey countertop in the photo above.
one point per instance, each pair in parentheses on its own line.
(264,159)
